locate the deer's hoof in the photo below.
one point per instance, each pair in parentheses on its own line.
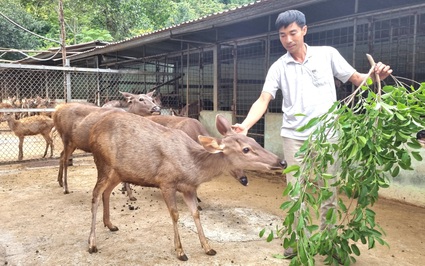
(93,249)
(211,252)
(183,257)
(113,228)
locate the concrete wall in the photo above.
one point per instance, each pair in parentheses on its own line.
(408,187)
(272,138)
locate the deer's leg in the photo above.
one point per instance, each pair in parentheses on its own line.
(190,199)
(68,150)
(51,146)
(170,199)
(129,192)
(112,183)
(47,147)
(49,142)
(21,144)
(98,191)
(198,200)
(60,172)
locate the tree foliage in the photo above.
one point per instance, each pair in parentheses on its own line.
(376,138)
(12,36)
(105,20)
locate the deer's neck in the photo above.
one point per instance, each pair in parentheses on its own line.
(13,124)
(209,165)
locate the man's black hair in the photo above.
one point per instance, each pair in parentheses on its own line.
(288,17)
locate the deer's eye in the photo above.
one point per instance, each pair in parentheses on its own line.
(245,150)
(141,100)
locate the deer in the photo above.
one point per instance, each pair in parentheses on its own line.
(74,120)
(193,128)
(133,149)
(30,126)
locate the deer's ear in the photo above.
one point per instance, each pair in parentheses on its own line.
(128,96)
(151,93)
(223,126)
(211,144)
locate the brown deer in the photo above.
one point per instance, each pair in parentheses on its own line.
(73,123)
(133,149)
(30,126)
(193,128)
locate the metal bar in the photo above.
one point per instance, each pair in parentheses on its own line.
(25,110)
(78,69)
(235,77)
(415,33)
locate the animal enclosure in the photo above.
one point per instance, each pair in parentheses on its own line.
(32,90)
(224,75)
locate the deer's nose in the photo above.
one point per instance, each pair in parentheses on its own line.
(243,180)
(155,109)
(283,164)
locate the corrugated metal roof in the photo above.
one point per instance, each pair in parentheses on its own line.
(249,11)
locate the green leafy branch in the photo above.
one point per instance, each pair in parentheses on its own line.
(375,133)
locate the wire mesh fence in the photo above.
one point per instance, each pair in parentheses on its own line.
(30,93)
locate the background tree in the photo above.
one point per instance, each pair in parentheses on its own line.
(104,20)
(12,36)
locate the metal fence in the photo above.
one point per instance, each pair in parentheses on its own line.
(33,91)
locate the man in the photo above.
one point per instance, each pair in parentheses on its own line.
(305,75)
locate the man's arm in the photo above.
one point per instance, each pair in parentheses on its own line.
(382,70)
(256,111)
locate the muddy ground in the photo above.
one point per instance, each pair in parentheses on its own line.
(39,225)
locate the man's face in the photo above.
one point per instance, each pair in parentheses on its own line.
(292,37)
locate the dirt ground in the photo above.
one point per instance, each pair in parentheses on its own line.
(39,225)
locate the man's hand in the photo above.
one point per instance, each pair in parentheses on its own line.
(239,128)
(382,70)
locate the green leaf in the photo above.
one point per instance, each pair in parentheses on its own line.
(262,232)
(287,189)
(291,168)
(353,152)
(362,139)
(371,242)
(355,249)
(270,237)
(399,116)
(286,205)
(414,144)
(417,156)
(310,124)
(327,176)
(388,166)
(295,207)
(341,205)
(369,81)
(395,171)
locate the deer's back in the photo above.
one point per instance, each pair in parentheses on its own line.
(141,151)
(81,130)
(31,125)
(66,115)
(192,127)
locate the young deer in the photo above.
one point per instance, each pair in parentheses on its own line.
(133,149)
(29,126)
(73,126)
